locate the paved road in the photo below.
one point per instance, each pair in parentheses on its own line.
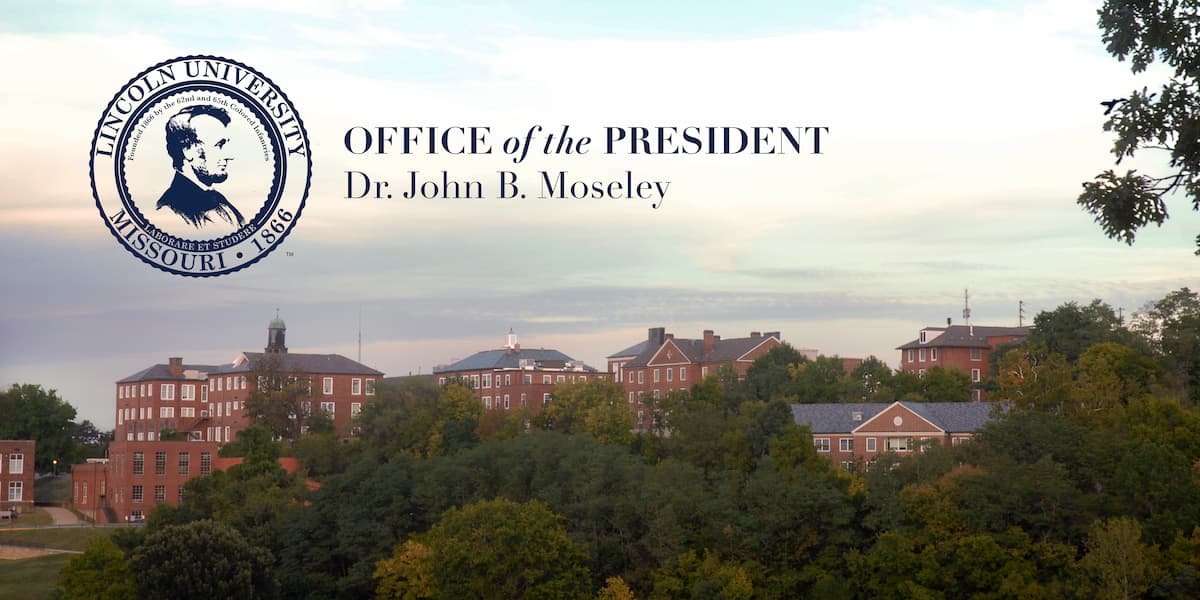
(62,516)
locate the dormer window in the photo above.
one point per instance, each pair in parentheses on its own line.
(924,336)
(856,415)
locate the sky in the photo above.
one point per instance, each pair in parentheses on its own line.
(959,135)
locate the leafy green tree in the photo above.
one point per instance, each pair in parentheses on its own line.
(323,454)
(820,380)
(770,377)
(942,384)
(201,560)
(91,442)
(689,576)
(281,399)
(491,549)
(871,381)
(255,444)
(1071,329)
(597,407)
(1117,565)
(29,412)
(1172,326)
(100,573)
(1031,381)
(1142,31)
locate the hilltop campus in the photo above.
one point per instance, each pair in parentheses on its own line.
(172,418)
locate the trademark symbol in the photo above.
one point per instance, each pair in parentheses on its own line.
(290,253)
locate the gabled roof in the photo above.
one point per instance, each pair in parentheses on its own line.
(962,336)
(951,417)
(161,371)
(633,350)
(506,358)
(723,350)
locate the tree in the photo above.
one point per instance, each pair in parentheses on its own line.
(1172,327)
(101,572)
(28,412)
(597,407)
(491,549)
(281,399)
(1071,329)
(1144,31)
(201,560)
(1117,564)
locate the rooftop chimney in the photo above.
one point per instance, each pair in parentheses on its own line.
(709,342)
(755,334)
(175,365)
(657,336)
(774,334)
(947,321)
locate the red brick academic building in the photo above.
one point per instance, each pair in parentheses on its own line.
(512,377)
(207,405)
(963,347)
(662,363)
(16,475)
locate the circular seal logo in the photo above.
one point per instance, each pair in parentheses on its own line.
(200,166)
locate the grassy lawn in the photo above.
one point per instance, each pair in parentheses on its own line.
(53,489)
(31,577)
(68,538)
(30,519)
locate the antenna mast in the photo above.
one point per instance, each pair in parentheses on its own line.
(1020,313)
(967,311)
(360,333)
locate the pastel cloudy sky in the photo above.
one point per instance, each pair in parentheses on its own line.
(959,136)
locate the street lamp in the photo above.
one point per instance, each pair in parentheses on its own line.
(55,462)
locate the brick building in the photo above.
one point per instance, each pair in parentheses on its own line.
(511,378)
(964,347)
(206,405)
(17,460)
(856,434)
(662,363)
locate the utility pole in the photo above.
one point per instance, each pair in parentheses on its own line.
(1020,313)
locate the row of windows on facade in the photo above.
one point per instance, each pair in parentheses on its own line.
(976,354)
(137,494)
(891,444)
(655,375)
(16,463)
(168,412)
(214,433)
(485,381)
(187,391)
(160,463)
(976,374)
(640,398)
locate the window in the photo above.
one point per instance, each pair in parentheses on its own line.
(506,402)
(150,436)
(242,382)
(14,491)
(933,354)
(921,355)
(846,445)
(187,391)
(487,380)
(16,463)
(356,385)
(187,411)
(508,380)
(920,372)
(210,385)
(371,385)
(630,373)
(822,444)
(545,399)
(958,441)
(205,463)
(487,402)
(976,395)
(327,407)
(220,385)
(355,408)
(683,373)
(641,377)
(179,495)
(160,463)
(546,379)
(139,463)
(631,397)
(227,438)
(703,372)
(203,393)
(976,354)
(160,493)
(327,386)
(475,382)
(185,463)
(975,375)
(220,409)
(870,444)
(924,336)
(441,381)
(137,493)
(166,412)
(150,389)
(168,391)
(899,444)
(656,376)
(670,374)
(583,378)
(527,379)
(560,378)
(909,356)
(656,394)
(847,465)
(524,399)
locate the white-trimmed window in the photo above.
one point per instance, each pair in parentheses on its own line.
(958,441)
(670,373)
(242,382)
(641,377)
(227,437)
(220,384)
(204,393)
(16,463)
(506,402)
(547,379)
(870,444)
(524,399)
(683,373)
(846,445)
(166,412)
(545,399)
(328,408)
(527,379)
(474,383)
(975,375)
(924,336)
(932,354)
(167,391)
(508,380)
(822,444)
(976,354)
(583,378)
(703,372)
(370,387)
(327,386)
(921,355)
(441,381)
(560,378)
(187,411)
(187,391)
(656,376)
(487,380)
(976,395)
(355,408)
(631,397)
(910,355)
(899,444)
(210,385)
(356,386)
(150,390)
(656,394)
(487,402)
(630,373)
(220,409)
